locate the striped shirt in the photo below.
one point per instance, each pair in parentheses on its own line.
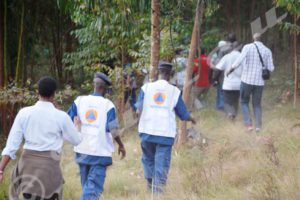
(252,68)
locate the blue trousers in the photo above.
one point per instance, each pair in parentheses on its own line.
(156,160)
(92,181)
(255,92)
(220,98)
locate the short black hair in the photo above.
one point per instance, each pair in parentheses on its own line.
(231,37)
(164,71)
(47,86)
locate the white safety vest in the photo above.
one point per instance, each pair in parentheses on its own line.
(92,111)
(158,116)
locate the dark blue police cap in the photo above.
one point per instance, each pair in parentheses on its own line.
(165,65)
(103,77)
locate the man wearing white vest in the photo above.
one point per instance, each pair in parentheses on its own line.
(98,128)
(158,104)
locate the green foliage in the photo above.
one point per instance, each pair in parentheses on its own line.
(105,32)
(16,95)
(28,95)
(292,6)
(210,38)
(292,28)
(111,34)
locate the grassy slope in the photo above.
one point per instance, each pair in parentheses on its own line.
(233,164)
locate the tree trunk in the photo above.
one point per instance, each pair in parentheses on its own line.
(229,15)
(155,39)
(69,48)
(5,45)
(57,46)
(295,64)
(18,68)
(1,44)
(238,19)
(189,70)
(24,66)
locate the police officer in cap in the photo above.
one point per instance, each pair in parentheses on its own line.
(158,104)
(99,127)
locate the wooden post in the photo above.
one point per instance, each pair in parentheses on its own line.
(2,71)
(295,64)
(18,68)
(189,70)
(155,39)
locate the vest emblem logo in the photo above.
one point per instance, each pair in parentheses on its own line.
(91,115)
(159,98)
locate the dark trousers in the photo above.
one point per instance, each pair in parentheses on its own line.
(131,95)
(255,92)
(231,102)
(220,98)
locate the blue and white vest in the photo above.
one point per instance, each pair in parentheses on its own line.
(158,116)
(92,111)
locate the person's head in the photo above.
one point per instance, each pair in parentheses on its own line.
(236,46)
(101,82)
(202,50)
(257,37)
(47,87)
(221,43)
(179,51)
(164,70)
(231,37)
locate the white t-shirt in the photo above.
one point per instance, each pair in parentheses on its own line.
(233,81)
(178,79)
(43,128)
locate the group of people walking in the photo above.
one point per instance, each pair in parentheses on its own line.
(238,76)
(91,125)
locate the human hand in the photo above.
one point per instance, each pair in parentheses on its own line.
(193,120)
(77,123)
(122,151)
(137,115)
(215,83)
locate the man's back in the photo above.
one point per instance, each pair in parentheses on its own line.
(44,127)
(252,70)
(158,115)
(233,81)
(93,113)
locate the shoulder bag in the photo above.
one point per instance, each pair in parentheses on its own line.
(265,72)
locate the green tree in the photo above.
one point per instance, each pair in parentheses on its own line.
(293,7)
(2,71)
(155,38)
